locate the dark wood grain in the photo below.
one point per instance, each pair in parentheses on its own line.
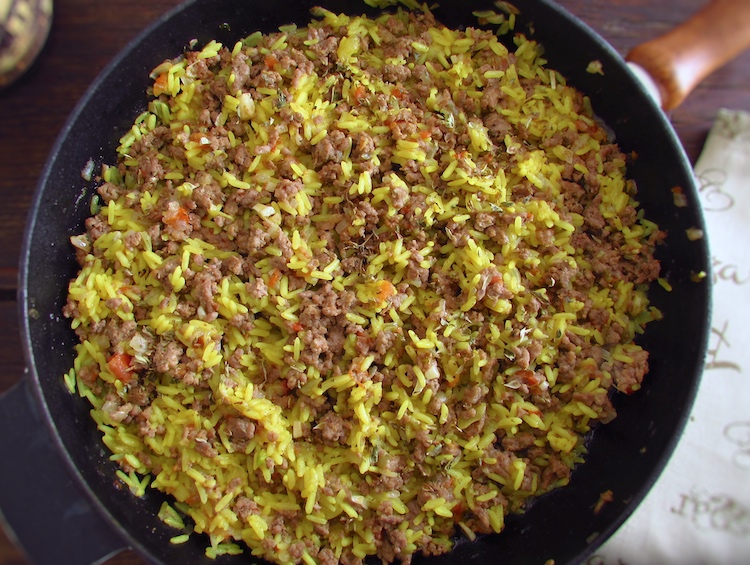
(86,34)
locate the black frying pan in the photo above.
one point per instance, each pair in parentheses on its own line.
(58,490)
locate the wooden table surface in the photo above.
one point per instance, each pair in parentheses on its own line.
(86,34)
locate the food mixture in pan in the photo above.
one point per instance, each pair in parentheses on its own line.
(355,288)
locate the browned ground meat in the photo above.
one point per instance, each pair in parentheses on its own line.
(412,282)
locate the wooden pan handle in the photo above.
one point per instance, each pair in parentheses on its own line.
(679,60)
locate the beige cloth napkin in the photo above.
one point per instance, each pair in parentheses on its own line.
(699,510)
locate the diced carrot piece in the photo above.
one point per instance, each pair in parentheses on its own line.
(271,61)
(200,137)
(359,93)
(119,364)
(385,290)
(160,84)
(275,277)
(177,218)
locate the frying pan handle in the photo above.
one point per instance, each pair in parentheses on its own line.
(679,60)
(41,508)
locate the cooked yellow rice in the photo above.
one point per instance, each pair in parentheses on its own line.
(281,471)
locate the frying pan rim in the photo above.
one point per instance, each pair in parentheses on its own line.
(23,297)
